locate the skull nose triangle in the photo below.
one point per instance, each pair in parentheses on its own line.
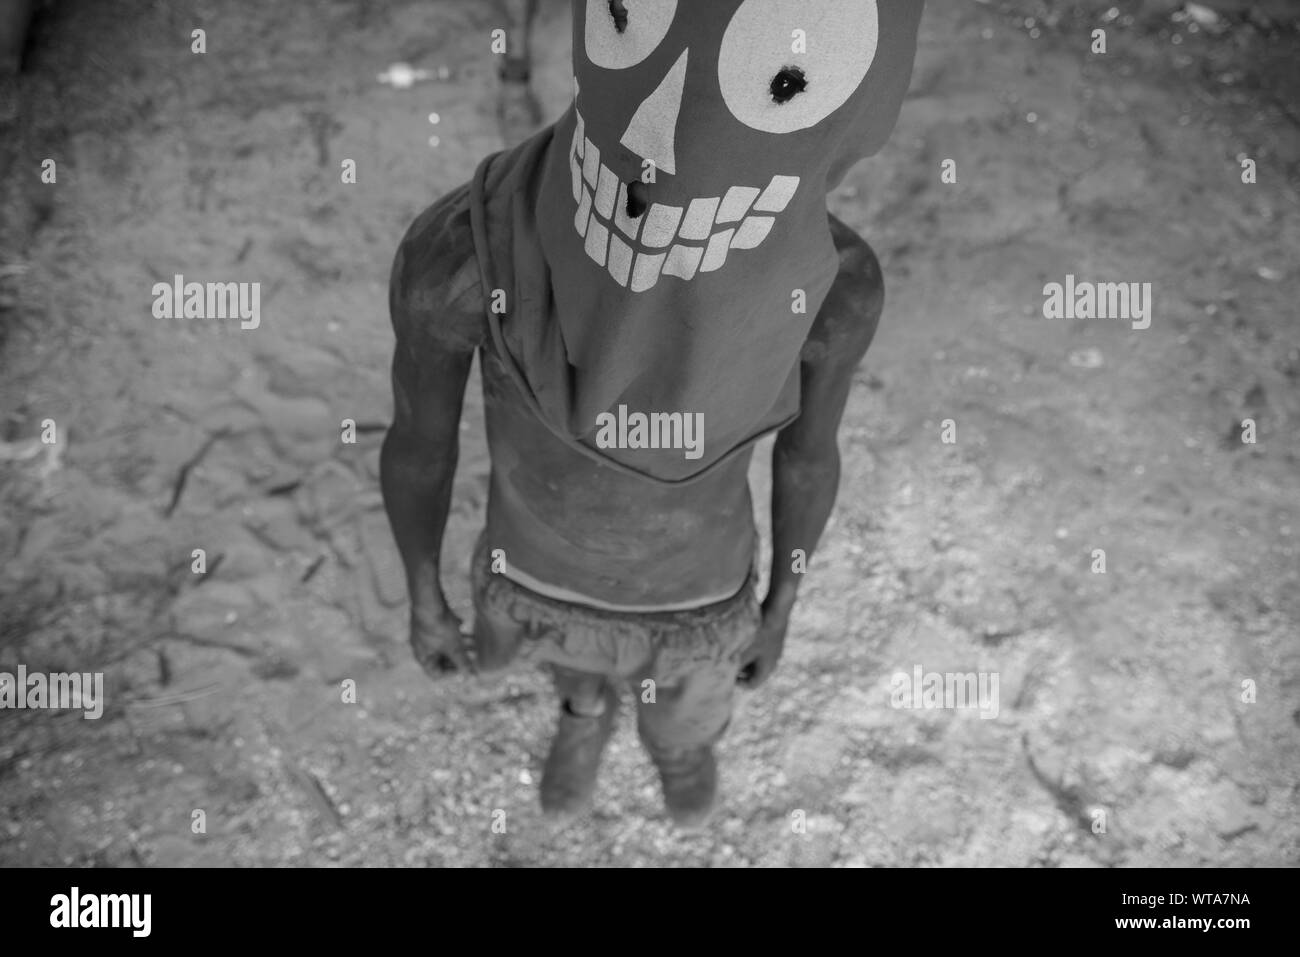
(653,129)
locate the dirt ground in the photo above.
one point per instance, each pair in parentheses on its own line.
(1120,692)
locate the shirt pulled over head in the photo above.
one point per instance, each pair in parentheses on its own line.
(664,247)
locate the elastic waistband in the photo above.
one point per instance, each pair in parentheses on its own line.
(510,596)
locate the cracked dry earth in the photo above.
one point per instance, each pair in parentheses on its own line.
(1119,691)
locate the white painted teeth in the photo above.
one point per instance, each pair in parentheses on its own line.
(699,218)
(591,163)
(683,261)
(736,203)
(680,242)
(716,254)
(606,191)
(584,213)
(597,241)
(752,232)
(646,271)
(777,195)
(661,225)
(620,260)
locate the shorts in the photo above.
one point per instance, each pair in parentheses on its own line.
(690,658)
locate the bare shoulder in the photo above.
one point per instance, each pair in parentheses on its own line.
(434,292)
(847,320)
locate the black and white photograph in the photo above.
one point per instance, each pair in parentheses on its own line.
(640,434)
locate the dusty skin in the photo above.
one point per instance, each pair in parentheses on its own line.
(1120,692)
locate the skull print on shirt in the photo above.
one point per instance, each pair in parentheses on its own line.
(729,107)
(675,292)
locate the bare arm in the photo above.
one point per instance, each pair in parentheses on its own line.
(806,457)
(436,308)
